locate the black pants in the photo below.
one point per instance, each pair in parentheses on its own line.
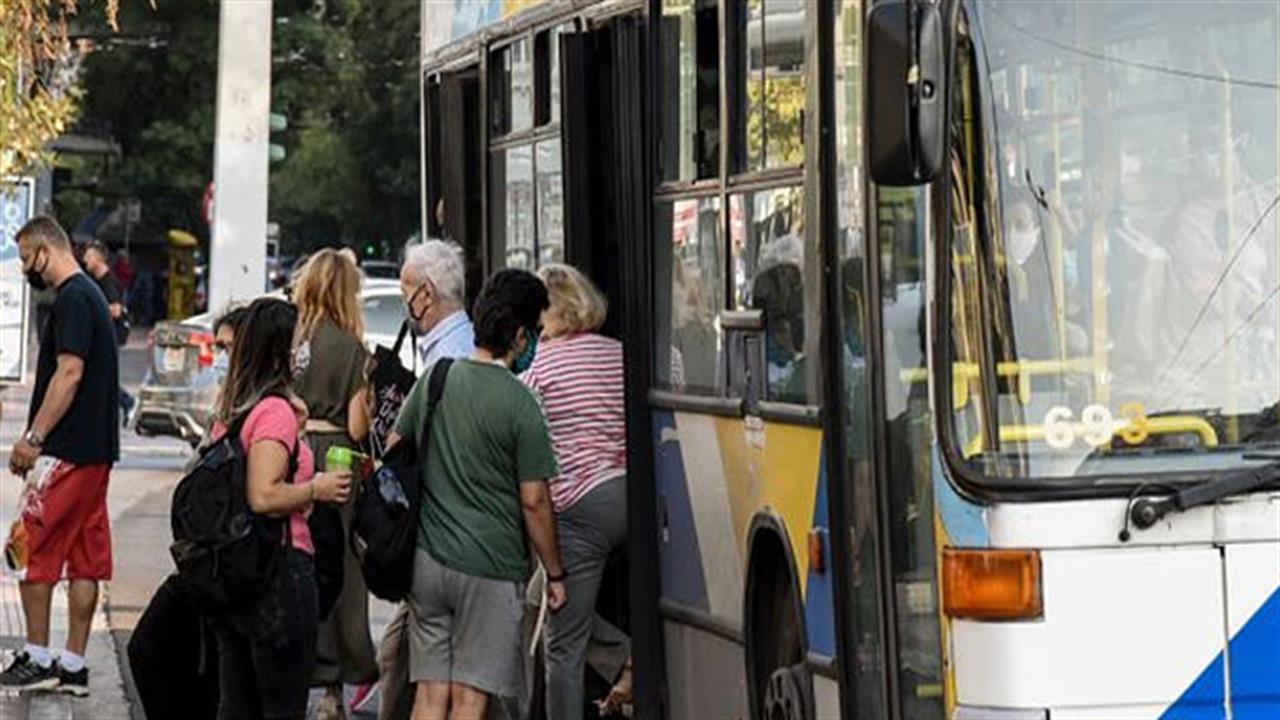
(174,658)
(267,650)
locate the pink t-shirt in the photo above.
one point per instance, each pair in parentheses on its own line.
(580,382)
(273,418)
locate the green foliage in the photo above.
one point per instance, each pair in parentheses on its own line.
(344,73)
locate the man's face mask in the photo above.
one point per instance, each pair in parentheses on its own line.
(1022,242)
(35,277)
(524,360)
(416,300)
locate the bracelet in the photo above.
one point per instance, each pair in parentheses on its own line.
(312,487)
(557,578)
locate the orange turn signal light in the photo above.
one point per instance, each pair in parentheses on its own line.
(991,584)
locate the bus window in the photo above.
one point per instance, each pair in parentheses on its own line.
(769,122)
(689,290)
(511,219)
(547,59)
(526,178)
(767,239)
(1116,272)
(689,74)
(511,88)
(550,198)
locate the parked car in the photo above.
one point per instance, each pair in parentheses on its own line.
(177,395)
(380,270)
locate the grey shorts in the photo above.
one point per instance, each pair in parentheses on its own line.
(465,629)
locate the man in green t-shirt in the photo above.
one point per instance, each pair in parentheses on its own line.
(489,455)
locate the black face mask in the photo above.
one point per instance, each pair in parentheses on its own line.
(35,278)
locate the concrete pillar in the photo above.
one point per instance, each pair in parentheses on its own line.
(238,250)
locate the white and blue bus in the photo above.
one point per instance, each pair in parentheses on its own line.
(952,332)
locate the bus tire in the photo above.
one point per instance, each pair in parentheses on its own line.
(785,697)
(778,681)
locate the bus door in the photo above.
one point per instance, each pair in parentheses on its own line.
(880,463)
(452,145)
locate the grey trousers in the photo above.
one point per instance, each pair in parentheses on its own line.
(589,532)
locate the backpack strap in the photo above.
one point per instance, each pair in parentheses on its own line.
(435,391)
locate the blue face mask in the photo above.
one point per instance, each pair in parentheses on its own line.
(524,361)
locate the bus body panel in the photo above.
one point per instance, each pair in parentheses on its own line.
(1133,629)
(714,475)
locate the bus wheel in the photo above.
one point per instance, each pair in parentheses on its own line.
(784,697)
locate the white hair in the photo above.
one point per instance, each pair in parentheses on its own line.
(441,262)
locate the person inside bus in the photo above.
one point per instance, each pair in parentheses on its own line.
(577,374)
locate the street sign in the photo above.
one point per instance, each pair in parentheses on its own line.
(17,203)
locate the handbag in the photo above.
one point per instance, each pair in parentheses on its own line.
(384,529)
(390,384)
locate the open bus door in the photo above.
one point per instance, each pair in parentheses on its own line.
(454,190)
(606,228)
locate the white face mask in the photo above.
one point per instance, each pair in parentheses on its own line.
(221,362)
(1019,244)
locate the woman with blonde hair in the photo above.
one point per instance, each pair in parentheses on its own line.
(578,374)
(331,379)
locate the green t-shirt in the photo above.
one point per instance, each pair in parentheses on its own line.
(488,435)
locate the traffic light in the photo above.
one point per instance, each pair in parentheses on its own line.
(370,249)
(277,123)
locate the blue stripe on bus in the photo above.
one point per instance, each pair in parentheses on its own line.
(961,519)
(819,607)
(1255,665)
(680,558)
(1255,674)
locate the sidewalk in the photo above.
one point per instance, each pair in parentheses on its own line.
(107,698)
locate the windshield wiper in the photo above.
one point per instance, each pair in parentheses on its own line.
(1147,512)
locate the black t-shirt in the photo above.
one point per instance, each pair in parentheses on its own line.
(80,325)
(111,290)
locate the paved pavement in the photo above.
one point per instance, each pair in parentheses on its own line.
(148,466)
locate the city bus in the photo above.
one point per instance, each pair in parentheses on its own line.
(952,334)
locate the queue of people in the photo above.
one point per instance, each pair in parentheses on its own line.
(524,470)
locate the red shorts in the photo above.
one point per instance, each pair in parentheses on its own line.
(67,525)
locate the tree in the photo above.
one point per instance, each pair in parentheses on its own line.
(37,90)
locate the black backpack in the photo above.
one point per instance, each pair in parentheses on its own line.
(225,552)
(384,529)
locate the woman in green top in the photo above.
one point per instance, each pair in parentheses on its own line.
(330,364)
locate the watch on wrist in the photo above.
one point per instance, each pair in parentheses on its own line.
(33,438)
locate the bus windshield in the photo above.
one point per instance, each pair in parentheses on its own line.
(1115,239)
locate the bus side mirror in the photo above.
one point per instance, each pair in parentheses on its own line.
(906,74)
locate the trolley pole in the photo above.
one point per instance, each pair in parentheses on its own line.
(238,245)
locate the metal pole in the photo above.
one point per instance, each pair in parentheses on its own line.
(238,250)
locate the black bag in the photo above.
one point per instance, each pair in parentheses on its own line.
(384,530)
(225,552)
(391,383)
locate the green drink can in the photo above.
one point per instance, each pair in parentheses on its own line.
(337,458)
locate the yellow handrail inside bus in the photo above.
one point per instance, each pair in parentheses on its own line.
(963,373)
(1166,425)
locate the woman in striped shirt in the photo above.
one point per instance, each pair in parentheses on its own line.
(577,373)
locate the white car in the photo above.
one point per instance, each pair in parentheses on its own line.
(178,393)
(384,314)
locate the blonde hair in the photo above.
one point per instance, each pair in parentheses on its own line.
(576,304)
(329,288)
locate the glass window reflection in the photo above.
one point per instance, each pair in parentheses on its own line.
(550,203)
(689,104)
(772,99)
(511,219)
(767,236)
(689,266)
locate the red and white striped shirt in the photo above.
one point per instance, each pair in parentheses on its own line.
(579,380)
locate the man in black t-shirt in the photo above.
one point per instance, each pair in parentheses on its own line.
(95,263)
(73,431)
